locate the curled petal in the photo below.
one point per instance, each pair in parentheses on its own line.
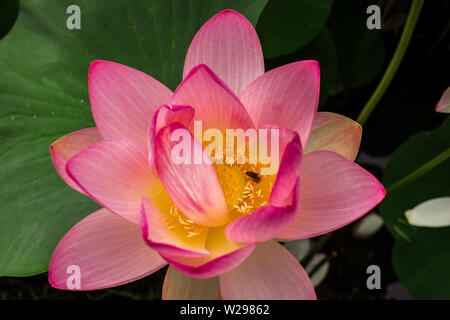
(228,44)
(271,272)
(190,181)
(168,114)
(335,192)
(178,286)
(279,137)
(104,250)
(287,176)
(123,100)
(336,133)
(66,147)
(164,116)
(159,236)
(225,256)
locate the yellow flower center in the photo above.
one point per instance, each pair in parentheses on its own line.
(244,188)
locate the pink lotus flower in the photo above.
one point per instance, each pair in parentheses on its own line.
(198,218)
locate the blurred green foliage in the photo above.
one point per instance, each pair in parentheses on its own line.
(287,25)
(421,256)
